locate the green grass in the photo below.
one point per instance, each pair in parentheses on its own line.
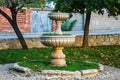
(75,56)
(71,65)
(54,34)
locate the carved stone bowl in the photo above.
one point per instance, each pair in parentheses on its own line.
(57,41)
(58,16)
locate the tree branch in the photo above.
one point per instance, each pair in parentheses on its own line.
(6,16)
(19,7)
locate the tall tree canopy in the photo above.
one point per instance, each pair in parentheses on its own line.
(87,6)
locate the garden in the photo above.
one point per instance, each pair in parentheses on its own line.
(59,55)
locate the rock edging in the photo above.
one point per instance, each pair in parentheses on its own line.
(62,73)
(20,68)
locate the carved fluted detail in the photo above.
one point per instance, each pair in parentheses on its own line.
(57,41)
(58,16)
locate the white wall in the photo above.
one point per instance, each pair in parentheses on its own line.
(103,22)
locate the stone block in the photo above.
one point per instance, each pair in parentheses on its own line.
(78,41)
(77,74)
(90,72)
(92,41)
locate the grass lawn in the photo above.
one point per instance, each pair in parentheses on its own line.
(75,56)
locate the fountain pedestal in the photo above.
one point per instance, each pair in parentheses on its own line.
(58,57)
(58,29)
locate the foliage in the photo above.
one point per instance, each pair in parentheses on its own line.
(26,3)
(107,55)
(87,6)
(68,25)
(36,4)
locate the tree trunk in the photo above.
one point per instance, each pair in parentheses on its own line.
(86,30)
(19,35)
(16,29)
(14,25)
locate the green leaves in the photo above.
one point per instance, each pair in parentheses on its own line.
(26,3)
(112,6)
(118,1)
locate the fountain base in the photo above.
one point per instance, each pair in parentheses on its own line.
(58,57)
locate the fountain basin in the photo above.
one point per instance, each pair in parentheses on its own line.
(58,16)
(57,41)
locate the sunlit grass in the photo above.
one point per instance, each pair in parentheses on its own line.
(71,65)
(75,56)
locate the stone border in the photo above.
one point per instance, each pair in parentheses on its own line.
(20,68)
(62,73)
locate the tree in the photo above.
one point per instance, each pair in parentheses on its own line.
(88,6)
(112,7)
(14,6)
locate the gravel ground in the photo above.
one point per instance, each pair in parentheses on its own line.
(110,73)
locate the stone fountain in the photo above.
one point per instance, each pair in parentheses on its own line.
(59,40)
